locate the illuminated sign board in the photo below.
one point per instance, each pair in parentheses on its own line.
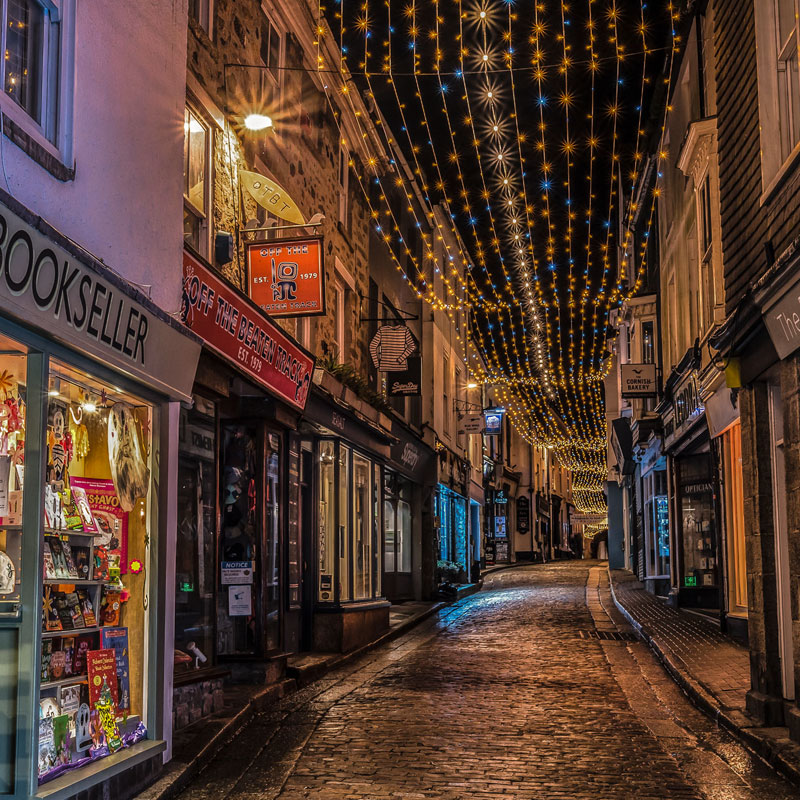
(286,278)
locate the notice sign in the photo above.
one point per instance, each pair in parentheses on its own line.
(237,572)
(230,324)
(286,278)
(639,380)
(240,601)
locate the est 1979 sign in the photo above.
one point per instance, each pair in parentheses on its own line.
(286,277)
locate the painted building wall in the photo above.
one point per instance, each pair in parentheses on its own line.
(127,130)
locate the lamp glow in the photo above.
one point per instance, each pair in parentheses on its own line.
(257,122)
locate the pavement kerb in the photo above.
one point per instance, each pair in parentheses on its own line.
(760,745)
(172,781)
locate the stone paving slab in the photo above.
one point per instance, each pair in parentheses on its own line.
(496,696)
(712,669)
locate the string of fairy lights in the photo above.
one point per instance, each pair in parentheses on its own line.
(521,123)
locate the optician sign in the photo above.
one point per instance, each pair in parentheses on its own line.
(286,278)
(639,380)
(76,303)
(234,327)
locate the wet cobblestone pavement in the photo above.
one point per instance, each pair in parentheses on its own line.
(507,694)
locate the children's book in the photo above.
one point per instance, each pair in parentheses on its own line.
(117,640)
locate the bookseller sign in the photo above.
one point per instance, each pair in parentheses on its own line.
(90,309)
(234,327)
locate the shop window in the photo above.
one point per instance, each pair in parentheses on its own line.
(362,527)
(100,525)
(344,528)
(696,518)
(271,560)
(656,522)
(452,515)
(13,368)
(350,509)
(327,533)
(195,556)
(196,139)
(397,523)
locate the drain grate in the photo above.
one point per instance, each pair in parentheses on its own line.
(608,636)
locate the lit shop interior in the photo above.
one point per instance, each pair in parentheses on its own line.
(96,523)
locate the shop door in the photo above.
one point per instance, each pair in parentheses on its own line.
(249,609)
(307,548)
(397,535)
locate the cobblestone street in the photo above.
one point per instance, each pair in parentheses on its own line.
(507,694)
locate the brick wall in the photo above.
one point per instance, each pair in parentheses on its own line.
(303,159)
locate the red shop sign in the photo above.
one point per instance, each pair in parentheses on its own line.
(286,278)
(233,326)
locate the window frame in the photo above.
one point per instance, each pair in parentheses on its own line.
(344,187)
(54,133)
(776,161)
(273,73)
(204,217)
(205,16)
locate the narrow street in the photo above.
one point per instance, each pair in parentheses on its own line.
(508,693)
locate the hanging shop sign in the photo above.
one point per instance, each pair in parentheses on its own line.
(523,514)
(472,422)
(233,326)
(407,382)
(639,380)
(500,497)
(287,278)
(391,347)
(722,410)
(542,505)
(75,303)
(493,421)
(410,455)
(271,195)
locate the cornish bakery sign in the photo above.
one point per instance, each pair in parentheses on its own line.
(46,286)
(233,326)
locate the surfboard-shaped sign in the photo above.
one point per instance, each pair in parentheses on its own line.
(272,196)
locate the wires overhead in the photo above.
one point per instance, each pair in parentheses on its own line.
(525,123)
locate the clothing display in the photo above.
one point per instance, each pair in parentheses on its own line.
(391,346)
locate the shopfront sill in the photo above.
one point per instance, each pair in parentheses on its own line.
(101,770)
(356,605)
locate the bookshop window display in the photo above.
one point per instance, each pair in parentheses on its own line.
(98,516)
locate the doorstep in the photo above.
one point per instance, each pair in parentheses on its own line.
(710,667)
